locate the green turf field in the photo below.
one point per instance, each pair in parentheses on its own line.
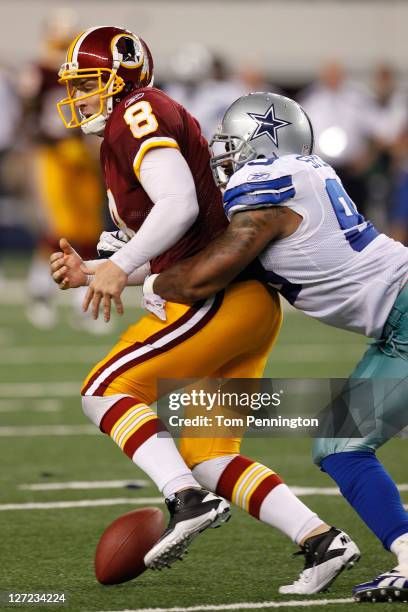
(52,549)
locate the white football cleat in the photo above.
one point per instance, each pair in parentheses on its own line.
(191,512)
(326,556)
(388,587)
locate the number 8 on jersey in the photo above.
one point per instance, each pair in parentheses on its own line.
(141,119)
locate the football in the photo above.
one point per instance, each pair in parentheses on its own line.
(123,545)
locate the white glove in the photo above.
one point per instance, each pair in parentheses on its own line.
(110,242)
(152,302)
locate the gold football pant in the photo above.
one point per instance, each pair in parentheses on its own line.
(69,190)
(228,335)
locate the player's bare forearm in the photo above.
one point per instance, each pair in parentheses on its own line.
(219,263)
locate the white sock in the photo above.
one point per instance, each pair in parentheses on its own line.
(134,426)
(400,548)
(159,458)
(283,510)
(245,482)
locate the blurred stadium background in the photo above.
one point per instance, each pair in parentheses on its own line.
(346,62)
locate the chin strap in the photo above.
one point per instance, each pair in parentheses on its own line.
(95,126)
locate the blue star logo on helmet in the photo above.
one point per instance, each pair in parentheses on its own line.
(268,124)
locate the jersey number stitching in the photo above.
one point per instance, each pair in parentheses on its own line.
(344,207)
(141,119)
(348,217)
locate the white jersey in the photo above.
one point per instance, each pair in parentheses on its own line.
(335,267)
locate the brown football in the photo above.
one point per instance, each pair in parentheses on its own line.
(123,545)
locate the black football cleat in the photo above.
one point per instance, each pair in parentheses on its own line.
(390,586)
(326,556)
(191,512)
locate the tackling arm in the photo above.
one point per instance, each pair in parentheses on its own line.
(219,263)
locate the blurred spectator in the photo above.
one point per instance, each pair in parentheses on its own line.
(391,106)
(64,176)
(399,190)
(204,85)
(338,112)
(254,79)
(10,114)
(388,117)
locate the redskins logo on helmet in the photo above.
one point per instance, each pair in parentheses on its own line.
(129,49)
(105,61)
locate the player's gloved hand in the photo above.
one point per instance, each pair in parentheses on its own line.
(67,267)
(151,301)
(110,242)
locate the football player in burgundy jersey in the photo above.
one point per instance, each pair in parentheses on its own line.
(65,179)
(167,207)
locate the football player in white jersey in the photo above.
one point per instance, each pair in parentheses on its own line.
(289,208)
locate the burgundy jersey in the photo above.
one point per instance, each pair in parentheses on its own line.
(145,119)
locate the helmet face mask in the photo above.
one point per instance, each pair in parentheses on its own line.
(258,125)
(108,84)
(117,60)
(237,152)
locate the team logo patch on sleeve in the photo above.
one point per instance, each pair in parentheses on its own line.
(258,176)
(259,193)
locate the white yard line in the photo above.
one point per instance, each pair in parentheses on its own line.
(83,484)
(49,430)
(248,605)
(118,484)
(40,389)
(83,503)
(7,337)
(45,405)
(329,490)
(84,354)
(312,353)
(14,291)
(52,354)
(315,490)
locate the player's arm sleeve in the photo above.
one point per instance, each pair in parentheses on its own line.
(167,179)
(251,195)
(136,278)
